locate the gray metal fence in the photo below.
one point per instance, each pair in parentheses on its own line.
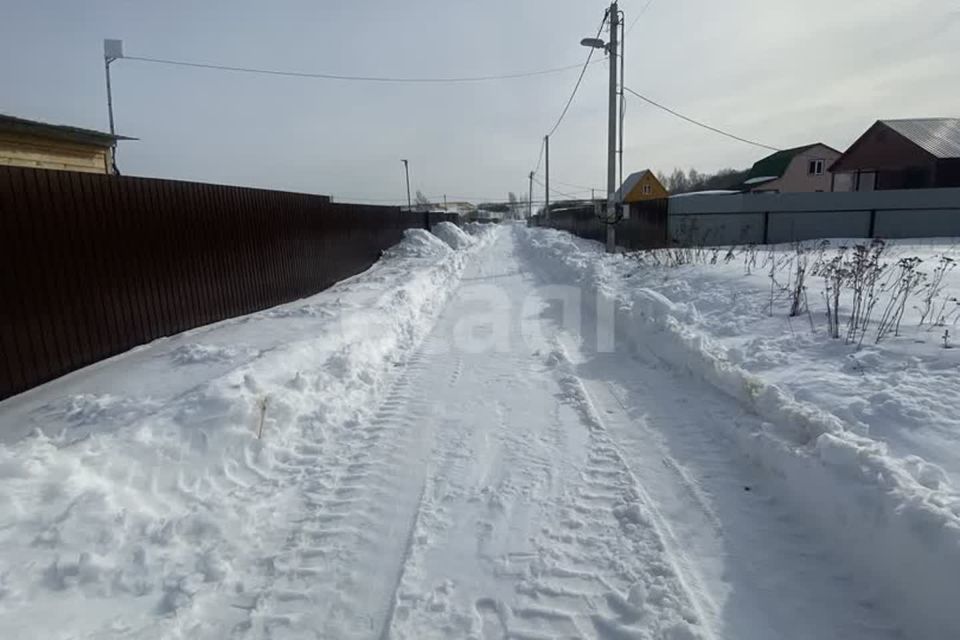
(775,218)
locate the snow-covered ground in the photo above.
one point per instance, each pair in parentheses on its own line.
(504,434)
(903,390)
(834,437)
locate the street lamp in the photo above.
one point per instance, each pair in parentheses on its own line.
(406,169)
(613,50)
(112,50)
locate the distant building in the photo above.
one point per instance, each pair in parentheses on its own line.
(800,170)
(28,143)
(484,215)
(922,153)
(639,187)
(459,208)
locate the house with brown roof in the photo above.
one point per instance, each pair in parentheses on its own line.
(799,170)
(39,145)
(920,153)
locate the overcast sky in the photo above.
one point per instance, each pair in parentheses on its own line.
(783,72)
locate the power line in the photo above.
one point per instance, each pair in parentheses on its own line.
(699,124)
(352,78)
(543,144)
(559,193)
(577,186)
(639,15)
(576,87)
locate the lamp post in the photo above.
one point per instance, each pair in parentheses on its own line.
(613,51)
(112,50)
(406,169)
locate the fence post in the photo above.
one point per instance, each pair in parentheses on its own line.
(766,227)
(873,224)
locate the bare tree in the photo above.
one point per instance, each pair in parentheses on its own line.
(692,180)
(679,182)
(664,179)
(513,204)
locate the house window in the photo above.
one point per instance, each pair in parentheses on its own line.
(647,189)
(816,168)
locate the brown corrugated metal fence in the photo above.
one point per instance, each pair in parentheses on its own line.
(92,265)
(646,228)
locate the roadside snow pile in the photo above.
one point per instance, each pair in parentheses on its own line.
(453,235)
(885,362)
(144,497)
(896,516)
(419,243)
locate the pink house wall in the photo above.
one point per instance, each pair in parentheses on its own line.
(796,179)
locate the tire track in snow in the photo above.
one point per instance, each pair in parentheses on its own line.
(768,575)
(532,525)
(360,491)
(654,593)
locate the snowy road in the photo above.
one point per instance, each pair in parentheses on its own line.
(572,493)
(515,485)
(512,480)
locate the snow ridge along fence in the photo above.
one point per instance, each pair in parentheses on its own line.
(94,265)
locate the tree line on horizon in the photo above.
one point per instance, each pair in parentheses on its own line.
(689,181)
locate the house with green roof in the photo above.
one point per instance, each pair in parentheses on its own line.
(800,170)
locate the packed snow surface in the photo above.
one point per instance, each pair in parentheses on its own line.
(512,437)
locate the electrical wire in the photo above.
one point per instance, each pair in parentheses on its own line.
(543,145)
(577,186)
(639,15)
(352,78)
(699,124)
(576,87)
(569,196)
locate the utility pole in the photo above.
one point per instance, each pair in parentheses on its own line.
(530,198)
(546,184)
(113,129)
(112,50)
(613,51)
(406,169)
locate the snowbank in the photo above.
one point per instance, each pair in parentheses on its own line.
(453,235)
(144,493)
(895,518)
(418,243)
